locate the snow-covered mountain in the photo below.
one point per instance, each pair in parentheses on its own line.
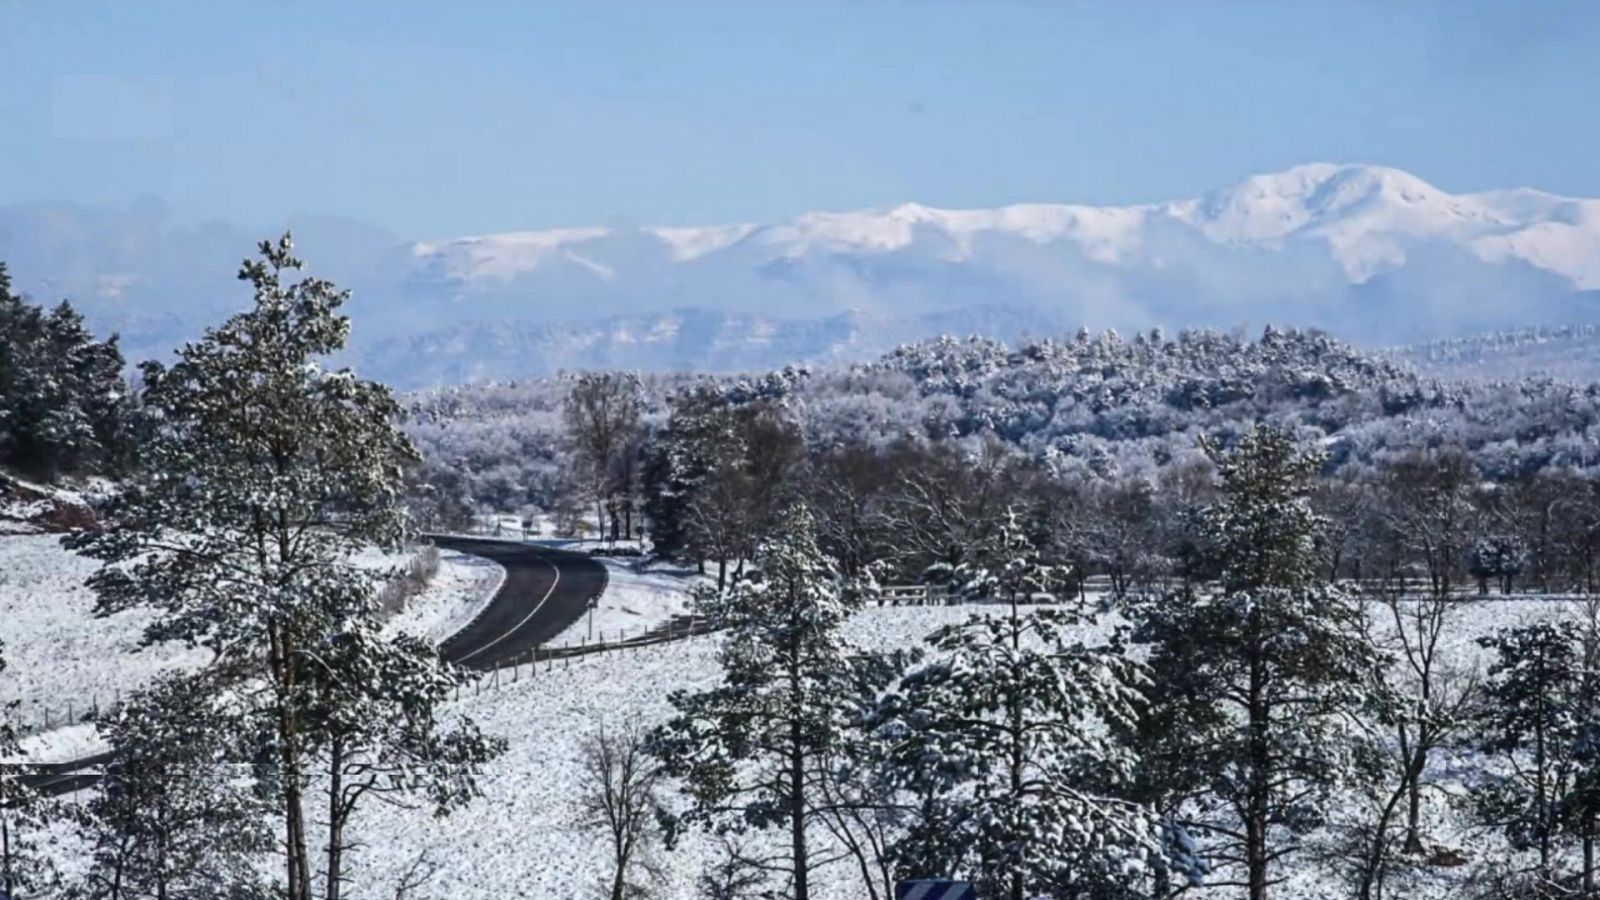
(1364,217)
(1372,253)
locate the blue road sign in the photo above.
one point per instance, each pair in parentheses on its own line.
(934,890)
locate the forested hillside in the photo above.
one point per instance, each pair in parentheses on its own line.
(1569,351)
(1104,432)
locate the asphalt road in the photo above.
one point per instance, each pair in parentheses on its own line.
(545,591)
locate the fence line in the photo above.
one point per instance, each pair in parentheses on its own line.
(34,717)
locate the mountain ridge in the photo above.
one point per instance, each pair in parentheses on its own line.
(1373,254)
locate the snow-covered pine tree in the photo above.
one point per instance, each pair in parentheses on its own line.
(1536,730)
(1244,737)
(750,750)
(62,397)
(177,814)
(261,475)
(376,725)
(1014,740)
(24,871)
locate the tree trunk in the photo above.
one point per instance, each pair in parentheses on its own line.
(1539,792)
(797,782)
(1014,721)
(5,851)
(336,819)
(1417,765)
(296,860)
(1371,886)
(1259,798)
(161,863)
(1588,855)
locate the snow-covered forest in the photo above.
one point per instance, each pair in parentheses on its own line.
(1209,614)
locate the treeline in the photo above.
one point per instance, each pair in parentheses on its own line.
(904,462)
(1093,408)
(1257,729)
(63,400)
(1566,351)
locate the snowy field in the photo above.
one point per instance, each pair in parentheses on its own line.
(56,650)
(58,653)
(636,600)
(463,586)
(520,840)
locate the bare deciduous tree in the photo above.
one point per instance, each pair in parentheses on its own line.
(620,801)
(602,416)
(1425,702)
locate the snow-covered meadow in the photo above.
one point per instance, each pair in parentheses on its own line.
(56,649)
(522,840)
(59,654)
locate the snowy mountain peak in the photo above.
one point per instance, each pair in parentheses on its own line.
(1370,252)
(1366,217)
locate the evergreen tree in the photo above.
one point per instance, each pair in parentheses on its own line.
(751,750)
(375,721)
(177,815)
(1535,729)
(25,871)
(62,397)
(262,474)
(1015,741)
(1244,737)
(699,438)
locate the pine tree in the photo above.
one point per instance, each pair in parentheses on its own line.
(375,721)
(699,438)
(750,750)
(261,475)
(62,397)
(1535,728)
(1244,738)
(25,871)
(1015,740)
(177,814)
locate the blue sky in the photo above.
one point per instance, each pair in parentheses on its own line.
(438,119)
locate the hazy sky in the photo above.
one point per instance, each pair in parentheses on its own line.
(438,119)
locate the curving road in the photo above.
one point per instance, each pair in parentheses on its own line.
(545,591)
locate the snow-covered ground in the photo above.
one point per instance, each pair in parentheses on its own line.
(520,840)
(463,586)
(636,600)
(57,651)
(60,655)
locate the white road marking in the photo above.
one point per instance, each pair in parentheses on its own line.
(531,613)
